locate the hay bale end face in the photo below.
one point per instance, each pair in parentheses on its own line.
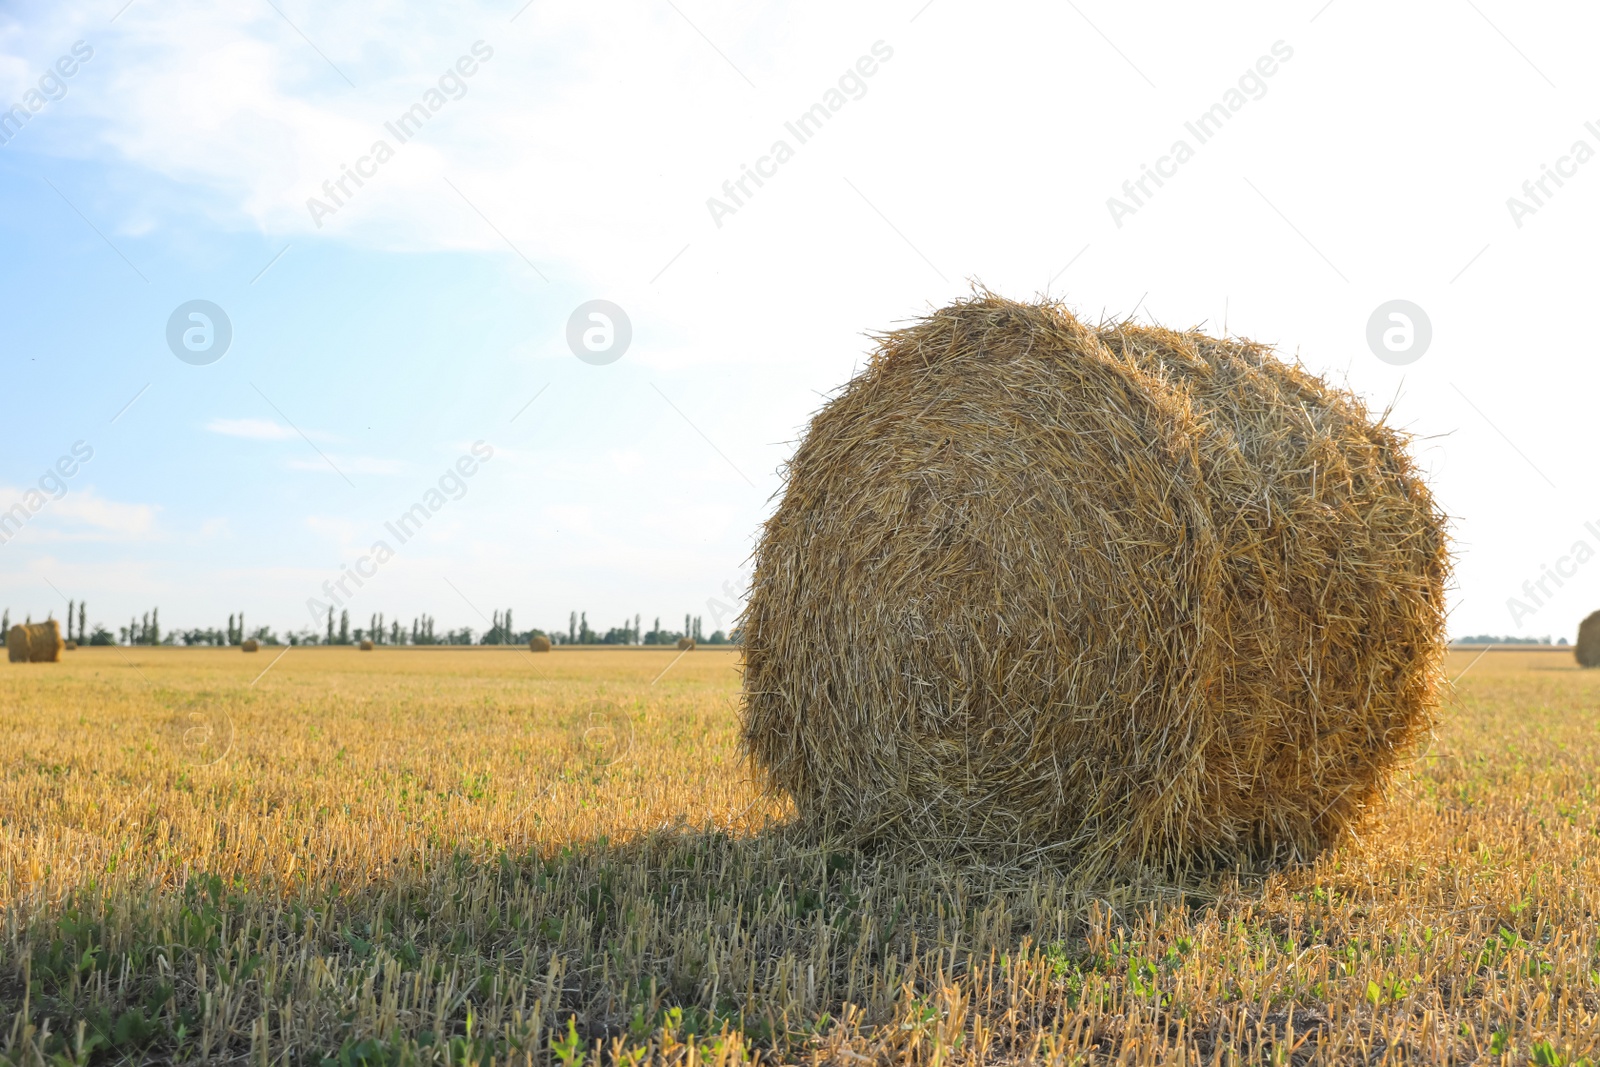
(250,644)
(38,642)
(538,644)
(1150,597)
(685,643)
(366,645)
(1587,650)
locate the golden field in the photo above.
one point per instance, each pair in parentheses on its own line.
(482,855)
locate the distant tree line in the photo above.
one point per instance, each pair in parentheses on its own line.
(502,630)
(579,633)
(1491,639)
(381,631)
(146,630)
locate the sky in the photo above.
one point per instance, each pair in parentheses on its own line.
(513,163)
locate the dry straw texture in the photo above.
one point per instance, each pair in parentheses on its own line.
(538,643)
(685,642)
(1588,648)
(38,642)
(250,644)
(366,646)
(1147,597)
(44,642)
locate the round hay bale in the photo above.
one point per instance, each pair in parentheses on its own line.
(685,643)
(1587,650)
(1149,597)
(250,644)
(538,643)
(70,646)
(366,645)
(38,642)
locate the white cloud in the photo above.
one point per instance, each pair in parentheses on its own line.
(342,531)
(88,507)
(350,464)
(627,460)
(63,519)
(254,429)
(567,519)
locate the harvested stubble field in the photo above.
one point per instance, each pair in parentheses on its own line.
(424,856)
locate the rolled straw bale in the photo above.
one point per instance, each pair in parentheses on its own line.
(538,643)
(366,645)
(44,642)
(37,642)
(70,646)
(249,644)
(1588,647)
(1149,597)
(685,643)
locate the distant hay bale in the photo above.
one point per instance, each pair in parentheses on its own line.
(38,642)
(1588,647)
(538,644)
(250,644)
(44,642)
(70,646)
(685,643)
(366,645)
(1148,597)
